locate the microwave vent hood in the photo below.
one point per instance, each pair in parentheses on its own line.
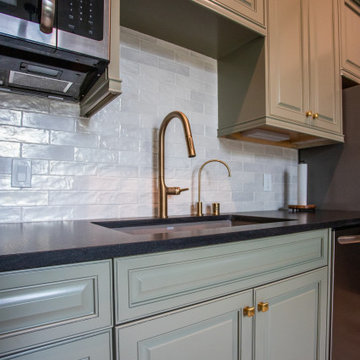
(56,74)
(73,73)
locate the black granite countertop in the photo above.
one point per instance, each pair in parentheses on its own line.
(29,245)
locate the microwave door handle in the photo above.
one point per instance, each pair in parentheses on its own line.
(347,240)
(47,16)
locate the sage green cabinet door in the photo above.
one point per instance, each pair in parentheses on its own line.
(40,306)
(288,65)
(325,81)
(350,30)
(303,66)
(215,330)
(294,327)
(94,347)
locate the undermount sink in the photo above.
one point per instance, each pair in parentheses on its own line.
(160,226)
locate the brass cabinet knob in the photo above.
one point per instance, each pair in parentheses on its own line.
(309,113)
(263,306)
(315,116)
(249,311)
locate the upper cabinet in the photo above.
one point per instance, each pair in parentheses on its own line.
(278,62)
(349,11)
(303,69)
(249,12)
(286,88)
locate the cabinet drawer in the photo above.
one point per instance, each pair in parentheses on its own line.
(95,347)
(42,305)
(150,284)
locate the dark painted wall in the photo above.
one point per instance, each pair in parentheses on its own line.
(334,170)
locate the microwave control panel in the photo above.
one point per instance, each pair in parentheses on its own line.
(82,17)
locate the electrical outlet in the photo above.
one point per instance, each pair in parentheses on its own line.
(267,182)
(21,173)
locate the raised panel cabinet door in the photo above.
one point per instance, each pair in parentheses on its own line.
(294,326)
(252,9)
(94,347)
(287,60)
(325,81)
(39,306)
(350,30)
(213,330)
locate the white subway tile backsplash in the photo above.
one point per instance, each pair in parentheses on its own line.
(117,171)
(23,198)
(47,213)
(100,124)
(157,49)
(72,197)
(40,167)
(10,214)
(50,152)
(74,139)
(106,166)
(95,155)
(174,68)
(5,165)
(24,102)
(115,197)
(95,211)
(10,117)
(52,182)
(72,168)
(5,183)
(48,121)
(25,135)
(9,149)
(64,108)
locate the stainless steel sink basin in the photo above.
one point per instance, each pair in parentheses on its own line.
(161,226)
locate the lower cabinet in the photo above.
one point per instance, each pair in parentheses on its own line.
(95,347)
(213,330)
(48,305)
(284,320)
(291,318)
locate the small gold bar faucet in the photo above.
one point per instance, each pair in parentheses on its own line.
(199,203)
(164,190)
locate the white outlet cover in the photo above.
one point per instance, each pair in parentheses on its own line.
(21,173)
(267,182)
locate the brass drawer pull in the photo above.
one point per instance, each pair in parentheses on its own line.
(315,116)
(249,311)
(309,113)
(263,306)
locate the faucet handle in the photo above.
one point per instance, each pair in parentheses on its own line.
(175,190)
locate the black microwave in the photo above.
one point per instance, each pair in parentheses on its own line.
(56,47)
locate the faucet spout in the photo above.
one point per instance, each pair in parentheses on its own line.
(164,191)
(199,203)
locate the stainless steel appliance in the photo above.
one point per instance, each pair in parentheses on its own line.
(334,175)
(345,334)
(56,47)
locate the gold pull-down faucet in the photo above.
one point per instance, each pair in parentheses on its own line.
(164,190)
